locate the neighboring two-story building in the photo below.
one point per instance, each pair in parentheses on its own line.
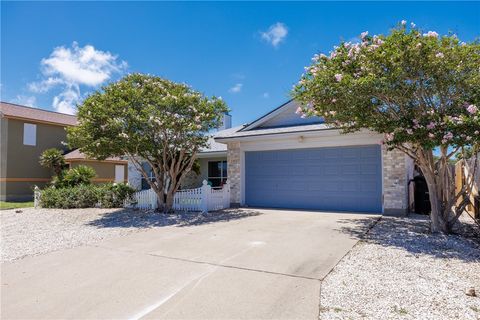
(24,134)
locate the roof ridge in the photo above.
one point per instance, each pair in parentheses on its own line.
(35,108)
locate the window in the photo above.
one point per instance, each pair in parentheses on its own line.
(151,176)
(29,134)
(217,173)
(119,173)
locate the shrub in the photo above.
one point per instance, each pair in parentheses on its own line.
(81,196)
(78,176)
(53,158)
(113,195)
(86,196)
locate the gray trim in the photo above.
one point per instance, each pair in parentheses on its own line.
(273,133)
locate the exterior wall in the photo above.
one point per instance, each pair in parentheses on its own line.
(134,176)
(3,157)
(234,172)
(397,170)
(396,165)
(21,170)
(105,170)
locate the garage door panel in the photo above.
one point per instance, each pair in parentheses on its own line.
(340,178)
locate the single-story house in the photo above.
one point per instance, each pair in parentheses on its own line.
(282,160)
(112,169)
(24,134)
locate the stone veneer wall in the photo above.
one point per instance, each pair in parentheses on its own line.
(395,178)
(233,173)
(395,181)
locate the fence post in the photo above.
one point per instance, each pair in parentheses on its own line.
(153,199)
(226,194)
(206,190)
(36,197)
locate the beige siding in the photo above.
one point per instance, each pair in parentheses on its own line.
(22,169)
(105,170)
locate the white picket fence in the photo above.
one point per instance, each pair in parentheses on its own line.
(202,199)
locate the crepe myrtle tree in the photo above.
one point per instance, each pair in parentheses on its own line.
(148,118)
(421,90)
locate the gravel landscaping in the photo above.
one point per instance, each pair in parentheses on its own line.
(30,231)
(399,271)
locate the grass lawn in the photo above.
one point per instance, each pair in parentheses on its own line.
(14,205)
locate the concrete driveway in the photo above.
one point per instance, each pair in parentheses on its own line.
(265,265)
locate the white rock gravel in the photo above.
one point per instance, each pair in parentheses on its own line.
(37,231)
(399,271)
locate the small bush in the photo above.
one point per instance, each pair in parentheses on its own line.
(113,195)
(86,196)
(78,175)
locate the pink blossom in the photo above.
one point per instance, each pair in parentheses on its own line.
(338,77)
(431,34)
(404,22)
(439,55)
(334,100)
(448,136)
(431,135)
(431,125)
(299,110)
(389,136)
(477,132)
(363,35)
(472,109)
(413,25)
(409,131)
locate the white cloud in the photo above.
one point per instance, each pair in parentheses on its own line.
(69,68)
(275,34)
(236,88)
(29,101)
(266,95)
(66,101)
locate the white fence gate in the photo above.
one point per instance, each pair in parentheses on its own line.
(202,199)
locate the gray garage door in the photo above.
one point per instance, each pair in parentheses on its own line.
(340,178)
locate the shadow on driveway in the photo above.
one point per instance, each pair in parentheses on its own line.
(128,218)
(412,235)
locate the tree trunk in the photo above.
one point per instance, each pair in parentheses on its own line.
(169,201)
(438,223)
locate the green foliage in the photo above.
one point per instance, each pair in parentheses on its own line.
(80,196)
(78,176)
(143,115)
(149,118)
(86,196)
(419,89)
(113,195)
(53,159)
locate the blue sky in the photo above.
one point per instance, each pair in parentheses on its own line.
(54,53)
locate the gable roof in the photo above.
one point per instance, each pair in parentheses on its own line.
(272,131)
(281,120)
(77,155)
(282,116)
(15,111)
(214,147)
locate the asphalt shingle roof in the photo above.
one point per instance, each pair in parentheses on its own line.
(34,114)
(268,131)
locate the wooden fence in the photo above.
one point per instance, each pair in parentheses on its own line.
(464,174)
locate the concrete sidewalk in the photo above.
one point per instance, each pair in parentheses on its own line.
(264,266)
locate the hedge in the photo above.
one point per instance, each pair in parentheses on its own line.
(107,195)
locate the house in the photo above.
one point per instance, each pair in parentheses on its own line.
(24,134)
(212,162)
(285,161)
(112,169)
(282,160)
